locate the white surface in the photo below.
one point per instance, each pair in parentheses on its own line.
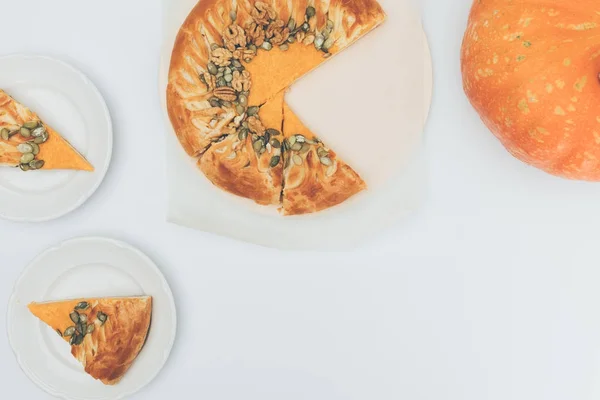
(488,292)
(88,268)
(65,99)
(392,111)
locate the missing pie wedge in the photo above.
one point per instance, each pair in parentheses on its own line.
(106,335)
(234,57)
(29,143)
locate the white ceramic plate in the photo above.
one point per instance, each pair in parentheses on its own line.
(69,102)
(88,267)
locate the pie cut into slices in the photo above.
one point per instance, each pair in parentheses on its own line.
(315,178)
(106,335)
(232,58)
(27,142)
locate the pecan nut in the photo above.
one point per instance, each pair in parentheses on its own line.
(225,93)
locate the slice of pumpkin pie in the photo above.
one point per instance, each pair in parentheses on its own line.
(29,143)
(106,335)
(314,177)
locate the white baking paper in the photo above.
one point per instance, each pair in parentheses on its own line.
(369,104)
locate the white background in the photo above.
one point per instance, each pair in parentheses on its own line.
(489,291)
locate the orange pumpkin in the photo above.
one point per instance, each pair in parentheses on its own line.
(531,70)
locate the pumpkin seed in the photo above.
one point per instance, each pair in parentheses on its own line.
(243,134)
(273,132)
(24,167)
(305,148)
(40,139)
(31,124)
(319,41)
(300,139)
(81,328)
(297,159)
(4,134)
(37,164)
(76,339)
(233,15)
(214,102)
(266,137)
(226,104)
(214,46)
(276,144)
(258,145)
(326,161)
(212,68)
(253,47)
(91,328)
(291,24)
(59,332)
(285,145)
(240,109)
(275,161)
(69,331)
(328,43)
(291,39)
(36,148)
(228,77)
(252,111)
(83,318)
(221,82)
(310,12)
(38,132)
(305,27)
(82,306)
(27,158)
(237,64)
(296,146)
(284,47)
(321,152)
(74,316)
(243,99)
(292,141)
(26,133)
(325,34)
(267,46)
(25,148)
(102,317)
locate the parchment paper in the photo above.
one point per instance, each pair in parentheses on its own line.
(369,104)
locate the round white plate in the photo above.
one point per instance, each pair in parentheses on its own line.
(88,267)
(69,102)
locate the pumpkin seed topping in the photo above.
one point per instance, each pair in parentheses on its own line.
(74,317)
(4,134)
(26,133)
(27,158)
(310,12)
(35,147)
(70,331)
(305,148)
(31,124)
(102,317)
(38,132)
(275,161)
(326,161)
(252,111)
(25,148)
(321,152)
(36,164)
(83,318)
(24,167)
(267,46)
(276,144)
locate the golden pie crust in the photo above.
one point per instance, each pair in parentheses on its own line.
(206,114)
(107,352)
(56,152)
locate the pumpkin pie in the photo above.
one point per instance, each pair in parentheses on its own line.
(315,178)
(29,143)
(106,335)
(234,58)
